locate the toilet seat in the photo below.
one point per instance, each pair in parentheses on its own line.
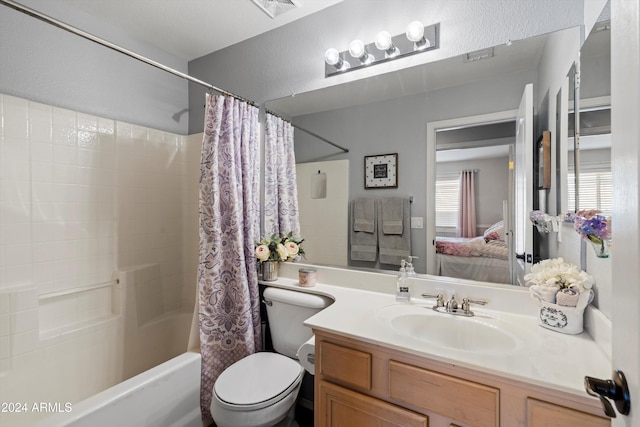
(257,381)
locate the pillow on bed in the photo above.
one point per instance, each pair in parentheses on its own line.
(495,232)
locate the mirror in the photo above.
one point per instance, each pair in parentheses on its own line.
(592,189)
(389,114)
(593,154)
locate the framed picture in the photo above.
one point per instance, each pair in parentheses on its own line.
(381,171)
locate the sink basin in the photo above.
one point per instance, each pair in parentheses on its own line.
(454,332)
(472,334)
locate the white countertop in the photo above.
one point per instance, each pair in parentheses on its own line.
(543,357)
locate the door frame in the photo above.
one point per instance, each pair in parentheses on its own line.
(625,159)
(432,129)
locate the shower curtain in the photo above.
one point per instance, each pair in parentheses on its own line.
(280,190)
(467,205)
(228,299)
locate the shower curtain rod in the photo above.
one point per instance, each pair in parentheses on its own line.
(74,30)
(346,150)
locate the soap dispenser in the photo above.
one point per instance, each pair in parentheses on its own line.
(411,272)
(402,286)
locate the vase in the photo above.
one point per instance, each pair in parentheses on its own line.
(269,270)
(563,319)
(601,249)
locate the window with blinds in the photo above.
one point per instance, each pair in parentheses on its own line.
(596,189)
(447,195)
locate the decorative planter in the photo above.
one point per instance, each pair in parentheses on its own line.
(601,249)
(269,270)
(563,319)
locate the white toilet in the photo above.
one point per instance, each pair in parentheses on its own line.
(262,388)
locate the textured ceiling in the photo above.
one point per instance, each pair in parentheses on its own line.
(190,29)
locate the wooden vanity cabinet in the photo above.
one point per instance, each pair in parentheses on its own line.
(361,384)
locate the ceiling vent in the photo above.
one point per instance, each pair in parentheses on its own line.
(274,8)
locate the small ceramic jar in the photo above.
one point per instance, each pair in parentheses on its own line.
(307,277)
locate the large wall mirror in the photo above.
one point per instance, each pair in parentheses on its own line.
(389,114)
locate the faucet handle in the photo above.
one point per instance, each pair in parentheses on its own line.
(467,301)
(439,299)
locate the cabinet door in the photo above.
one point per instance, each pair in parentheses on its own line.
(338,406)
(544,414)
(454,398)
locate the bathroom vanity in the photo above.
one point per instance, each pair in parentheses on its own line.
(362,384)
(381,362)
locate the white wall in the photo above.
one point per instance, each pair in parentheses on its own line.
(324,221)
(84,201)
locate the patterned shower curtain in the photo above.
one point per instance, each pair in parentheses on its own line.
(228,304)
(467,205)
(281,194)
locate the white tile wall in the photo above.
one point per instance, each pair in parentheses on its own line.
(82,197)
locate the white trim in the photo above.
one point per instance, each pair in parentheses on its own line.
(432,128)
(597,102)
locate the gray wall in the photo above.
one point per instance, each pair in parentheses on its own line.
(289,59)
(399,126)
(45,64)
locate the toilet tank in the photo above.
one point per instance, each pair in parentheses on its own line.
(287,310)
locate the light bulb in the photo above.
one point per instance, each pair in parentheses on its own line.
(356,48)
(383,40)
(332,56)
(415,31)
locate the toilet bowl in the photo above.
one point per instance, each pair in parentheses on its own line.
(256,391)
(261,389)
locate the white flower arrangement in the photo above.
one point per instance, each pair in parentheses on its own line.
(279,248)
(556,272)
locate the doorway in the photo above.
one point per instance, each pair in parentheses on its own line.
(484,145)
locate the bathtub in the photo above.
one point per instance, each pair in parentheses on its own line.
(167,395)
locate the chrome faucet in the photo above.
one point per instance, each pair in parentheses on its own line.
(451,306)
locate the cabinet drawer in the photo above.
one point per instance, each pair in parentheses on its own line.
(345,364)
(545,414)
(463,401)
(343,407)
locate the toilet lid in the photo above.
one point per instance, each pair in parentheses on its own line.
(258,380)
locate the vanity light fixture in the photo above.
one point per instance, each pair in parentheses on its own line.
(416,39)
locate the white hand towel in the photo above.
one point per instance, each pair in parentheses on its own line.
(545,293)
(568,297)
